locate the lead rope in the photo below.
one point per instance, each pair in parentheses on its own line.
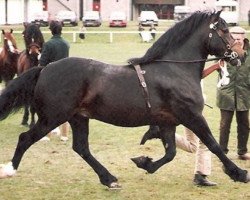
(140,76)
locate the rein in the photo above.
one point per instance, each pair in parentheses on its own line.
(190,61)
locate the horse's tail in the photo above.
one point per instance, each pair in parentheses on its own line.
(19,92)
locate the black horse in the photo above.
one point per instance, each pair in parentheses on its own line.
(33,39)
(78,89)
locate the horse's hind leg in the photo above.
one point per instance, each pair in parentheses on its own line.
(152,133)
(167,136)
(80,131)
(25,116)
(26,139)
(32,114)
(199,126)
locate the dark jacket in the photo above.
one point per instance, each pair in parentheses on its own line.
(55,49)
(236,95)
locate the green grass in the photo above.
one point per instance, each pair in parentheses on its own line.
(52,170)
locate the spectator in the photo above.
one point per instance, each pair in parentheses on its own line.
(234,98)
(55,49)
(82,33)
(152,31)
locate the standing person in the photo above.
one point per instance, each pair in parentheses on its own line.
(82,33)
(152,31)
(55,49)
(234,98)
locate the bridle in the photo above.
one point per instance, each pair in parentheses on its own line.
(227,54)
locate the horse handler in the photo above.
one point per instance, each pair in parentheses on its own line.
(55,49)
(234,98)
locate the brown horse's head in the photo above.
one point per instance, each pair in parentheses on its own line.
(10,42)
(35,50)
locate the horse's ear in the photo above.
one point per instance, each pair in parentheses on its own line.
(11,30)
(216,16)
(3,32)
(25,24)
(246,44)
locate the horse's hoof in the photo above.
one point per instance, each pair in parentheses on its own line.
(142,162)
(115,186)
(247,178)
(7,170)
(25,124)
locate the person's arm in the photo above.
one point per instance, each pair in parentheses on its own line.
(212,68)
(45,55)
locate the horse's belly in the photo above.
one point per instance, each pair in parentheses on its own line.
(125,117)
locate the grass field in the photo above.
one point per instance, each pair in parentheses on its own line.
(52,170)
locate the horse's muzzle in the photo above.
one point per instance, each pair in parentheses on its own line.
(237,55)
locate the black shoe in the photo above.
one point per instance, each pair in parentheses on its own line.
(200,180)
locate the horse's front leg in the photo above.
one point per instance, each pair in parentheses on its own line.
(26,139)
(80,131)
(199,126)
(167,136)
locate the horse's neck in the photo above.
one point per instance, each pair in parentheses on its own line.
(192,49)
(33,60)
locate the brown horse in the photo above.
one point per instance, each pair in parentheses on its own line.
(29,58)
(8,57)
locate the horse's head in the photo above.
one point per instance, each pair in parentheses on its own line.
(222,44)
(33,39)
(35,50)
(9,42)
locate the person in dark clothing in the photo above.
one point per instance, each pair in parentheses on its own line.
(234,98)
(55,49)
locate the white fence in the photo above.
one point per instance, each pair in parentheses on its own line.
(110,33)
(76,33)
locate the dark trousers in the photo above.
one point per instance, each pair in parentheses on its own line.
(242,129)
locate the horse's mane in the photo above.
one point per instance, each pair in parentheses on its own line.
(33,34)
(174,36)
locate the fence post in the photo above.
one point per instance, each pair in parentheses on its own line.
(110,37)
(74,36)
